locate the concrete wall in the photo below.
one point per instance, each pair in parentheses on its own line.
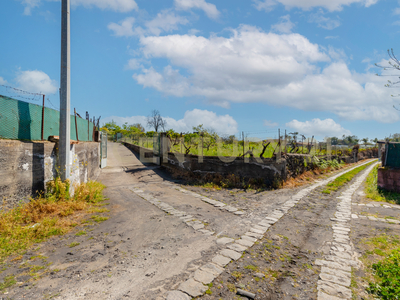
(25,167)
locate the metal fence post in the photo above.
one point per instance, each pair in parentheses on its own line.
(42,119)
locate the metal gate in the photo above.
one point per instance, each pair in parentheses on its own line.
(103,150)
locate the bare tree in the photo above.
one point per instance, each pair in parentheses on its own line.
(394,64)
(156,121)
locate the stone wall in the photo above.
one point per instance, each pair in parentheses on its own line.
(267,169)
(389,179)
(26,166)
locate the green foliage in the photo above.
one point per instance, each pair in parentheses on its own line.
(387,272)
(8,281)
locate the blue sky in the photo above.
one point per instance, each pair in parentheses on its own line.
(233,66)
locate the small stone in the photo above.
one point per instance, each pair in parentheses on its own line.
(224,240)
(204,276)
(249,238)
(192,287)
(354,216)
(334,289)
(333,265)
(177,295)
(244,242)
(197,226)
(259,275)
(341,260)
(212,268)
(253,234)
(323,296)
(237,247)
(257,231)
(231,254)
(345,281)
(221,260)
(239,213)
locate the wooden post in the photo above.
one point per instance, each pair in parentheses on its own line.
(42,119)
(285,142)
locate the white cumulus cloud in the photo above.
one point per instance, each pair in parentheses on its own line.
(36,82)
(210,9)
(284,26)
(270,123)
(3,81)
(224,124)
(331,5)
(318,127)
(166,20)
(124,28)
(322,21)
(254,66)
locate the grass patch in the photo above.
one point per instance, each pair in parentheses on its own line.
(373,192)
(343,179)
(80,233)
(382,261)
(47,215)
(8,282)
(74,244)
(99,219)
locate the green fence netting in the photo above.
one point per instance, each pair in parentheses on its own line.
(393,155)
(20,120)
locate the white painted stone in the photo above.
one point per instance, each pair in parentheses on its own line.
(354,216)
(249,238)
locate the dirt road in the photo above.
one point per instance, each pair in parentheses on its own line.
(165,241)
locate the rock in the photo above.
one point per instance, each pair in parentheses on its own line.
(259,275)
(231,254)
(204,276)
(237,247)
(192,287)
(224,240)
(177,295)
(221,260)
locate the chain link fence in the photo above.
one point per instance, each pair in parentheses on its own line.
(21,120)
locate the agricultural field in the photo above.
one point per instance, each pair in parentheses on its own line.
(220,147)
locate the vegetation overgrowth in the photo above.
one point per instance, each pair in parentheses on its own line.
(54,213)
(343,179)
(373,192)
(382,258)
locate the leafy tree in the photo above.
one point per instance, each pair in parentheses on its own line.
(111,127)
(156,121)
(365,140)
(334,140)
